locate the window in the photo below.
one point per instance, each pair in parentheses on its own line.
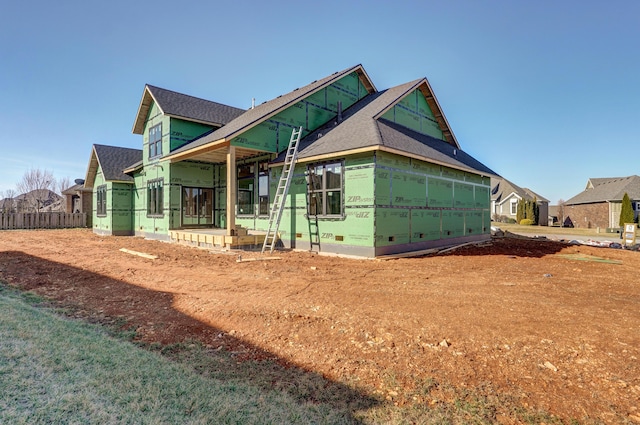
(155,141)
(325,189)
(514,207)
(246,183)
(154,197)
(101,201)
(197,206)
(248,175)
(263,189)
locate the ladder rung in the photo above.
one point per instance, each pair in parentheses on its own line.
(281,192)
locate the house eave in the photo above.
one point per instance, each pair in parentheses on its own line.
(143,110)
(386,149)
(198,150)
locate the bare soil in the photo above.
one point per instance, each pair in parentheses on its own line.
(555,327)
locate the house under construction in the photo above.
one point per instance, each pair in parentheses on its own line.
(374,173)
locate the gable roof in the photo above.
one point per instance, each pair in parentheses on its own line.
(262,112)
(608,189)
(112,160)
(363,129)
(183,106)
(501,188)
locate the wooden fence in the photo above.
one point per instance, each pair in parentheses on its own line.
(42,220)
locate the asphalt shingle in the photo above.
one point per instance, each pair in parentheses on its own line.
(608,189)
(189,107)
(113,160)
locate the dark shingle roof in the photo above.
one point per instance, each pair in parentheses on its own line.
(608,189)
(430,148)
(501,188)
(184,106)
(113,160)
(265,110)
(360,128)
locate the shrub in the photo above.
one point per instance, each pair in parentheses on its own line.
(626,214)
(526,222)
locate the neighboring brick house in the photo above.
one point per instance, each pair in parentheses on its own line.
(505,196)
(79,199)
(599,205)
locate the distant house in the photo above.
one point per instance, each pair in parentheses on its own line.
(79,199)
(377,172)
(505,196)
(600,203)
(7,205)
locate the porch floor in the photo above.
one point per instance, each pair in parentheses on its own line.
(217,238)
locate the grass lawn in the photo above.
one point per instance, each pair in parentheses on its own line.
(534,230)
(57,370)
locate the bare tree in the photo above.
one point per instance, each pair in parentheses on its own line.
(7,205)
(35,189)
(63,184)
(561,204)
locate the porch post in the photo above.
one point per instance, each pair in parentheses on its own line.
(232,185)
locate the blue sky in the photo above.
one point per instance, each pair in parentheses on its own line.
(546,93)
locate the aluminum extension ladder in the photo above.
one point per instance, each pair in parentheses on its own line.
(312,219)
(281,192)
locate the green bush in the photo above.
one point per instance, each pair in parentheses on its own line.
(526,222)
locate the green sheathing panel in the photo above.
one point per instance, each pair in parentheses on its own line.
(426,225)
(353,232)
(440,193)
(181,132)
(118,219)
(412,111)
(421,204)
(101,224)
(311,112)
(153,227)
(121,211)
(392,226)
(154,118)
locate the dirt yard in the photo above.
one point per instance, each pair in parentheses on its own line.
(556,327)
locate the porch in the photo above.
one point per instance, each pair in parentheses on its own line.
(218,238)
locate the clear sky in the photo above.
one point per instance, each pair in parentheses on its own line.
(546,93)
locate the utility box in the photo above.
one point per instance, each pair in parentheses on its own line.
(629,234)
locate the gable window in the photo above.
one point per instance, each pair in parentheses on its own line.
(154,198)
(155,141)
(325,189)
(101,200)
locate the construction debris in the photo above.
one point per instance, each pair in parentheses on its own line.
(139,254)
(246,260)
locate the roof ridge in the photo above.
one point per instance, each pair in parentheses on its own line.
(191,96)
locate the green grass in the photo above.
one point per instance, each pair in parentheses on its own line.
(55,370)
(535,230)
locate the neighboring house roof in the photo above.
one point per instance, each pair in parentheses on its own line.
(268,109)
(362,128)
(112,160)
(6,203)
(501,189)
(608,189)
(75,189)
(183,106)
